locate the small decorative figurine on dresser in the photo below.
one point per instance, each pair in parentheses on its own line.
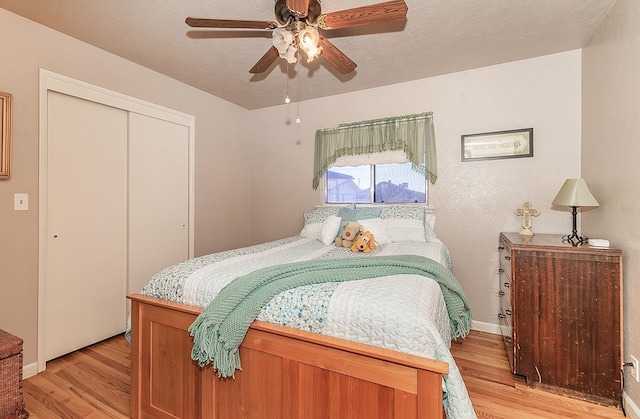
(526,212)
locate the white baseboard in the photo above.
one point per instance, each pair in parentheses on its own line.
(485,327)
(29,370)
(630,407)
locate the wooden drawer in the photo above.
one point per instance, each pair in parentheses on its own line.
(505,314)
(505,293)
(505,260)
(565,304)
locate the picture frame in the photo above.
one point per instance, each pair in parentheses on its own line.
(497,145)
(5,136)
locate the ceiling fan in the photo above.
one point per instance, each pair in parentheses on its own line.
(297,27)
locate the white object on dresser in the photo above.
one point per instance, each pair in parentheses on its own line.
(598,242)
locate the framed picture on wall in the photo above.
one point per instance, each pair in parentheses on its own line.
(498,145)
(5,136)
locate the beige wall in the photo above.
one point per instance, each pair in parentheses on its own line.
(473,201)
(610,149)
(222,208)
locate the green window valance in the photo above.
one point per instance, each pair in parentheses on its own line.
(413,134)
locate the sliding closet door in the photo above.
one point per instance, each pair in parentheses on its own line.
(85,263)
(158,196)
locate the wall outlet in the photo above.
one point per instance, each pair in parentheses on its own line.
(635,370)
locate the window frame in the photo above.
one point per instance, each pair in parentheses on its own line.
(372,190)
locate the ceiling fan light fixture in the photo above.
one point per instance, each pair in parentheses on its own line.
(283,40)
(308,41)
(297,28)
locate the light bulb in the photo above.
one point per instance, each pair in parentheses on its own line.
(312,53)
(308,40)
(287,99)
(297,120)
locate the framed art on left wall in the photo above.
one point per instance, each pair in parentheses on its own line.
(5,136)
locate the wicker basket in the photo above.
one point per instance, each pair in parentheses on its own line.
(11,401)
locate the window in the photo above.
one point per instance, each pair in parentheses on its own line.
(371,150)
(393,183)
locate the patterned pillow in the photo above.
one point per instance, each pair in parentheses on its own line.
(314,220)
(319,215)
(400,211)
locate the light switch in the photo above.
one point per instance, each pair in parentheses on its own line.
(20,201)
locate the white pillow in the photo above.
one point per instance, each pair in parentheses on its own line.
(430,219)
(405,230)
(311,230)
(376,227)
(314,220)
(428,231)
(330,229)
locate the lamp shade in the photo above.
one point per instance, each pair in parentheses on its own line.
(574,193)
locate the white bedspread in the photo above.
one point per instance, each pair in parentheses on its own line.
(406,313)
(402,312)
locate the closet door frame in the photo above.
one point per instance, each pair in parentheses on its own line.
(50,81)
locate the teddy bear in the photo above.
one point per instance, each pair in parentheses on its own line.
(364,242)
(350,230)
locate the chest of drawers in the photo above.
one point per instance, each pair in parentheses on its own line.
(560,314)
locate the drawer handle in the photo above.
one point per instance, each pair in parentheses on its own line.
(500,271)
(506,285)
(501,293)
(500,316)
(507,312)
(507,339)
(507,258)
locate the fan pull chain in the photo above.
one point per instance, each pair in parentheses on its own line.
(298,126)
(287,99)
(298,104)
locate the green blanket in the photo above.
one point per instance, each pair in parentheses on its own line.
(220,328)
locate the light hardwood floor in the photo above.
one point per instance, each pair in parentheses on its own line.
(94,383)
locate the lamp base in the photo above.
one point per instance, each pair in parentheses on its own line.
(575,239)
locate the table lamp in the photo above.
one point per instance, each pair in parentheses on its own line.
(574,193)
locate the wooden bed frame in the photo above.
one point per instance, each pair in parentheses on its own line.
(287,373)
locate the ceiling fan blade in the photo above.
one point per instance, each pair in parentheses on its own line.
(196,22)
(365,15)
(298,7)
(335,57)
(265,62)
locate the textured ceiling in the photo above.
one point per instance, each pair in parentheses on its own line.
(438,37)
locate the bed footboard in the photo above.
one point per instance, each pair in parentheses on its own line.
(287,373)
